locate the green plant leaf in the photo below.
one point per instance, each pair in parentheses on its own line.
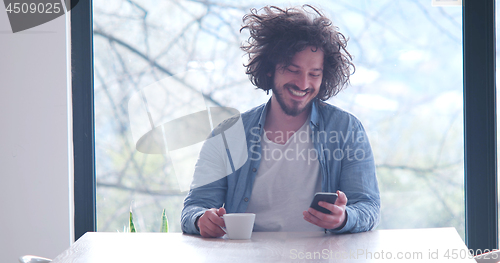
(164,222)
(131,223)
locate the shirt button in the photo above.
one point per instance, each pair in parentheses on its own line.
(246,199)
(254,170)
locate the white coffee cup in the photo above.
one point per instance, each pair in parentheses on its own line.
(239,225)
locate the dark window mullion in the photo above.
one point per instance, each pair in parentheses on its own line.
(83,117)
(480,125)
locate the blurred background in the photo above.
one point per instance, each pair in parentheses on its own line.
(407,92)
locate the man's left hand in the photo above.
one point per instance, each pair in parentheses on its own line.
(329,221)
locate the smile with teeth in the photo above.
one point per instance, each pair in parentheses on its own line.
(298,93)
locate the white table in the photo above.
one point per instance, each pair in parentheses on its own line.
(402,245)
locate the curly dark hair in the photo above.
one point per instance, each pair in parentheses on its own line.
(276,35)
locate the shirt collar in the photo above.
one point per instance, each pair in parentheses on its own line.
(262,119)
(314,113)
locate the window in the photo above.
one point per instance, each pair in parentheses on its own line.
(407,91)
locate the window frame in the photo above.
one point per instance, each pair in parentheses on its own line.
(480,160)
(82,82)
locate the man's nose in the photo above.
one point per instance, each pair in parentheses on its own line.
(302,81)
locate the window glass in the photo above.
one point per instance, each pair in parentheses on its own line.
(406,90)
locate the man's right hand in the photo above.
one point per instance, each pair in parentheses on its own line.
(211,221)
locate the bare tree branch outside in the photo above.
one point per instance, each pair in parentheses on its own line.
(407,91)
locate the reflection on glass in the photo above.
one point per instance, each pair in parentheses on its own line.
(407,91)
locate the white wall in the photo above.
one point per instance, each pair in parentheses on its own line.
(34,175)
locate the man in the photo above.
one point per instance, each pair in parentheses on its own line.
(297,144)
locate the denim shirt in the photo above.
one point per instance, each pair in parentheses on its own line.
(346,164)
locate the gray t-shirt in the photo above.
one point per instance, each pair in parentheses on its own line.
(285,184)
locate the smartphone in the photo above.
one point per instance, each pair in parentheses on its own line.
(327,197)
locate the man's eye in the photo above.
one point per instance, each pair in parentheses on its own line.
(293,71)
(315,75)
